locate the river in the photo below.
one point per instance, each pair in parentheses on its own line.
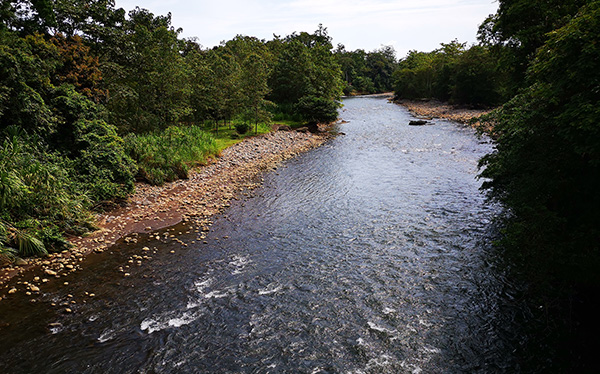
(371,254)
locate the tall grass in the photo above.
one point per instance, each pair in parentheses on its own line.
(167,156)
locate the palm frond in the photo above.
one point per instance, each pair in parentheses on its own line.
(28,245)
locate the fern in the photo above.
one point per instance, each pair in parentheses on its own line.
(29,245)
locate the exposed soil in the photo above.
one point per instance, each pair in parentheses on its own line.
(207,192)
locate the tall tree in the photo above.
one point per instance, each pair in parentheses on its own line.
(148,82)
(519,28)
(304,66)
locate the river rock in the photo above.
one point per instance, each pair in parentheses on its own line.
(419,122)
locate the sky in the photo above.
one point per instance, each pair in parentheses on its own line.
(357,24)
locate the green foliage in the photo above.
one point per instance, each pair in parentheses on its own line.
(25,67)
(167,156)
(451,73)
(304,65)
(546,168)
(367,72)
(242,128)
(7,254)
(36,191)
(315,109)
(518,29)
(28,245)
(474,79)
(102,166)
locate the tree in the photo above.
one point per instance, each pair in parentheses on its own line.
(546,168)
(304,65)
(519,28)
(254,88)
(381,64)
(148,83)
(474,78)
(27,16)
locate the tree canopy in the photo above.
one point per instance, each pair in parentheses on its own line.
(546,167)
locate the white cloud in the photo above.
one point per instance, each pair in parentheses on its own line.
(404,24)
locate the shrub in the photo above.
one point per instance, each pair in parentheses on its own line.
(314,109)
(242,128)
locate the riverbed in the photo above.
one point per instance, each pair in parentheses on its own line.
(370,254)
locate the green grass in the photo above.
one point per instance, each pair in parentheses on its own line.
(168,155)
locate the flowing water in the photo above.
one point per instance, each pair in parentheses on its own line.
(370,254)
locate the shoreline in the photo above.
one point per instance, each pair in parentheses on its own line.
(436,109)
(206,192)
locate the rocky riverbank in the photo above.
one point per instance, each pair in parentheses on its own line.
(207,192)
(437,109)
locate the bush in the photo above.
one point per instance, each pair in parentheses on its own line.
(38,199)
(242,128)
(314,109)
(102,166)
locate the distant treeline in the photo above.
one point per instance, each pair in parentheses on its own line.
(453,73)
(457,73)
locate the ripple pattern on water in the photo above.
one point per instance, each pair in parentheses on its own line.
(368,255)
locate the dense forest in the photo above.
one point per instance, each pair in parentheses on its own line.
(93,98)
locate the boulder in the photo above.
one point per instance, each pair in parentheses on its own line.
(419,122)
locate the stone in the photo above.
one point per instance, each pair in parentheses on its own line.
(419,122)
(20,262)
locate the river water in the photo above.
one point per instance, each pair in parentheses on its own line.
(371,254)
